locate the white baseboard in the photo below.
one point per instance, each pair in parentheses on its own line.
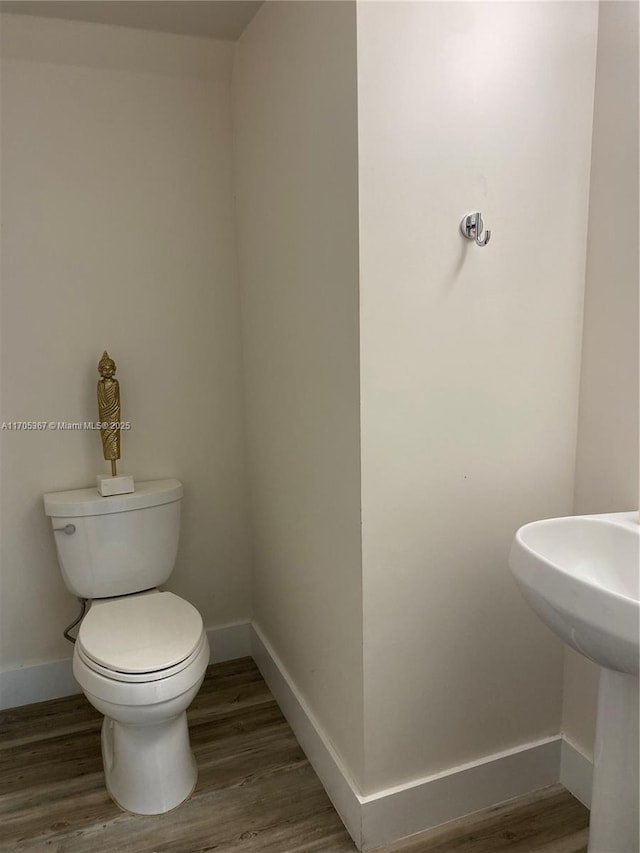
(54,679)
(422,804)
(37,683)
(229,642)
(394,813)
(337,783)
(576,772)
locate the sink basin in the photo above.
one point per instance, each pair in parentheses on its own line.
(581,575)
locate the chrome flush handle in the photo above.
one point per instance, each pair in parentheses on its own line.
(68,529)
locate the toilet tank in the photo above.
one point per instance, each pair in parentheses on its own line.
(116,545)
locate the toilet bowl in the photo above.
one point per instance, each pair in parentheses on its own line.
(140,660)
(141,653)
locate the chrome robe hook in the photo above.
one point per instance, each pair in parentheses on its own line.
(471,226)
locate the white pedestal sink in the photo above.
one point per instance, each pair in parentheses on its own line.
(582,577)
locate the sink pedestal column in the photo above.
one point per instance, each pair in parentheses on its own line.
(614,804)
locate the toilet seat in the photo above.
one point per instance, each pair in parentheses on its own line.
(137,677)
(140,638)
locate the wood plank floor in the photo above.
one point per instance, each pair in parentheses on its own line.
(256,791)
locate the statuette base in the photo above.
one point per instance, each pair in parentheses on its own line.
(120,485)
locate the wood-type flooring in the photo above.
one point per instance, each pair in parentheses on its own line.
(256,791)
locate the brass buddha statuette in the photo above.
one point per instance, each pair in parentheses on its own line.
(109,410)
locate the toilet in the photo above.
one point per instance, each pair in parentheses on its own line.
(141,654)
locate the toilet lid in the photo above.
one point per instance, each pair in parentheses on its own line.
(141,633)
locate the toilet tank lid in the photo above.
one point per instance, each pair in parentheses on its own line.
(78,502)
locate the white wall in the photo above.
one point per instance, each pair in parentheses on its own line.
(118,233)
(470,362)
(296,177)
(607,458)
(457,367)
